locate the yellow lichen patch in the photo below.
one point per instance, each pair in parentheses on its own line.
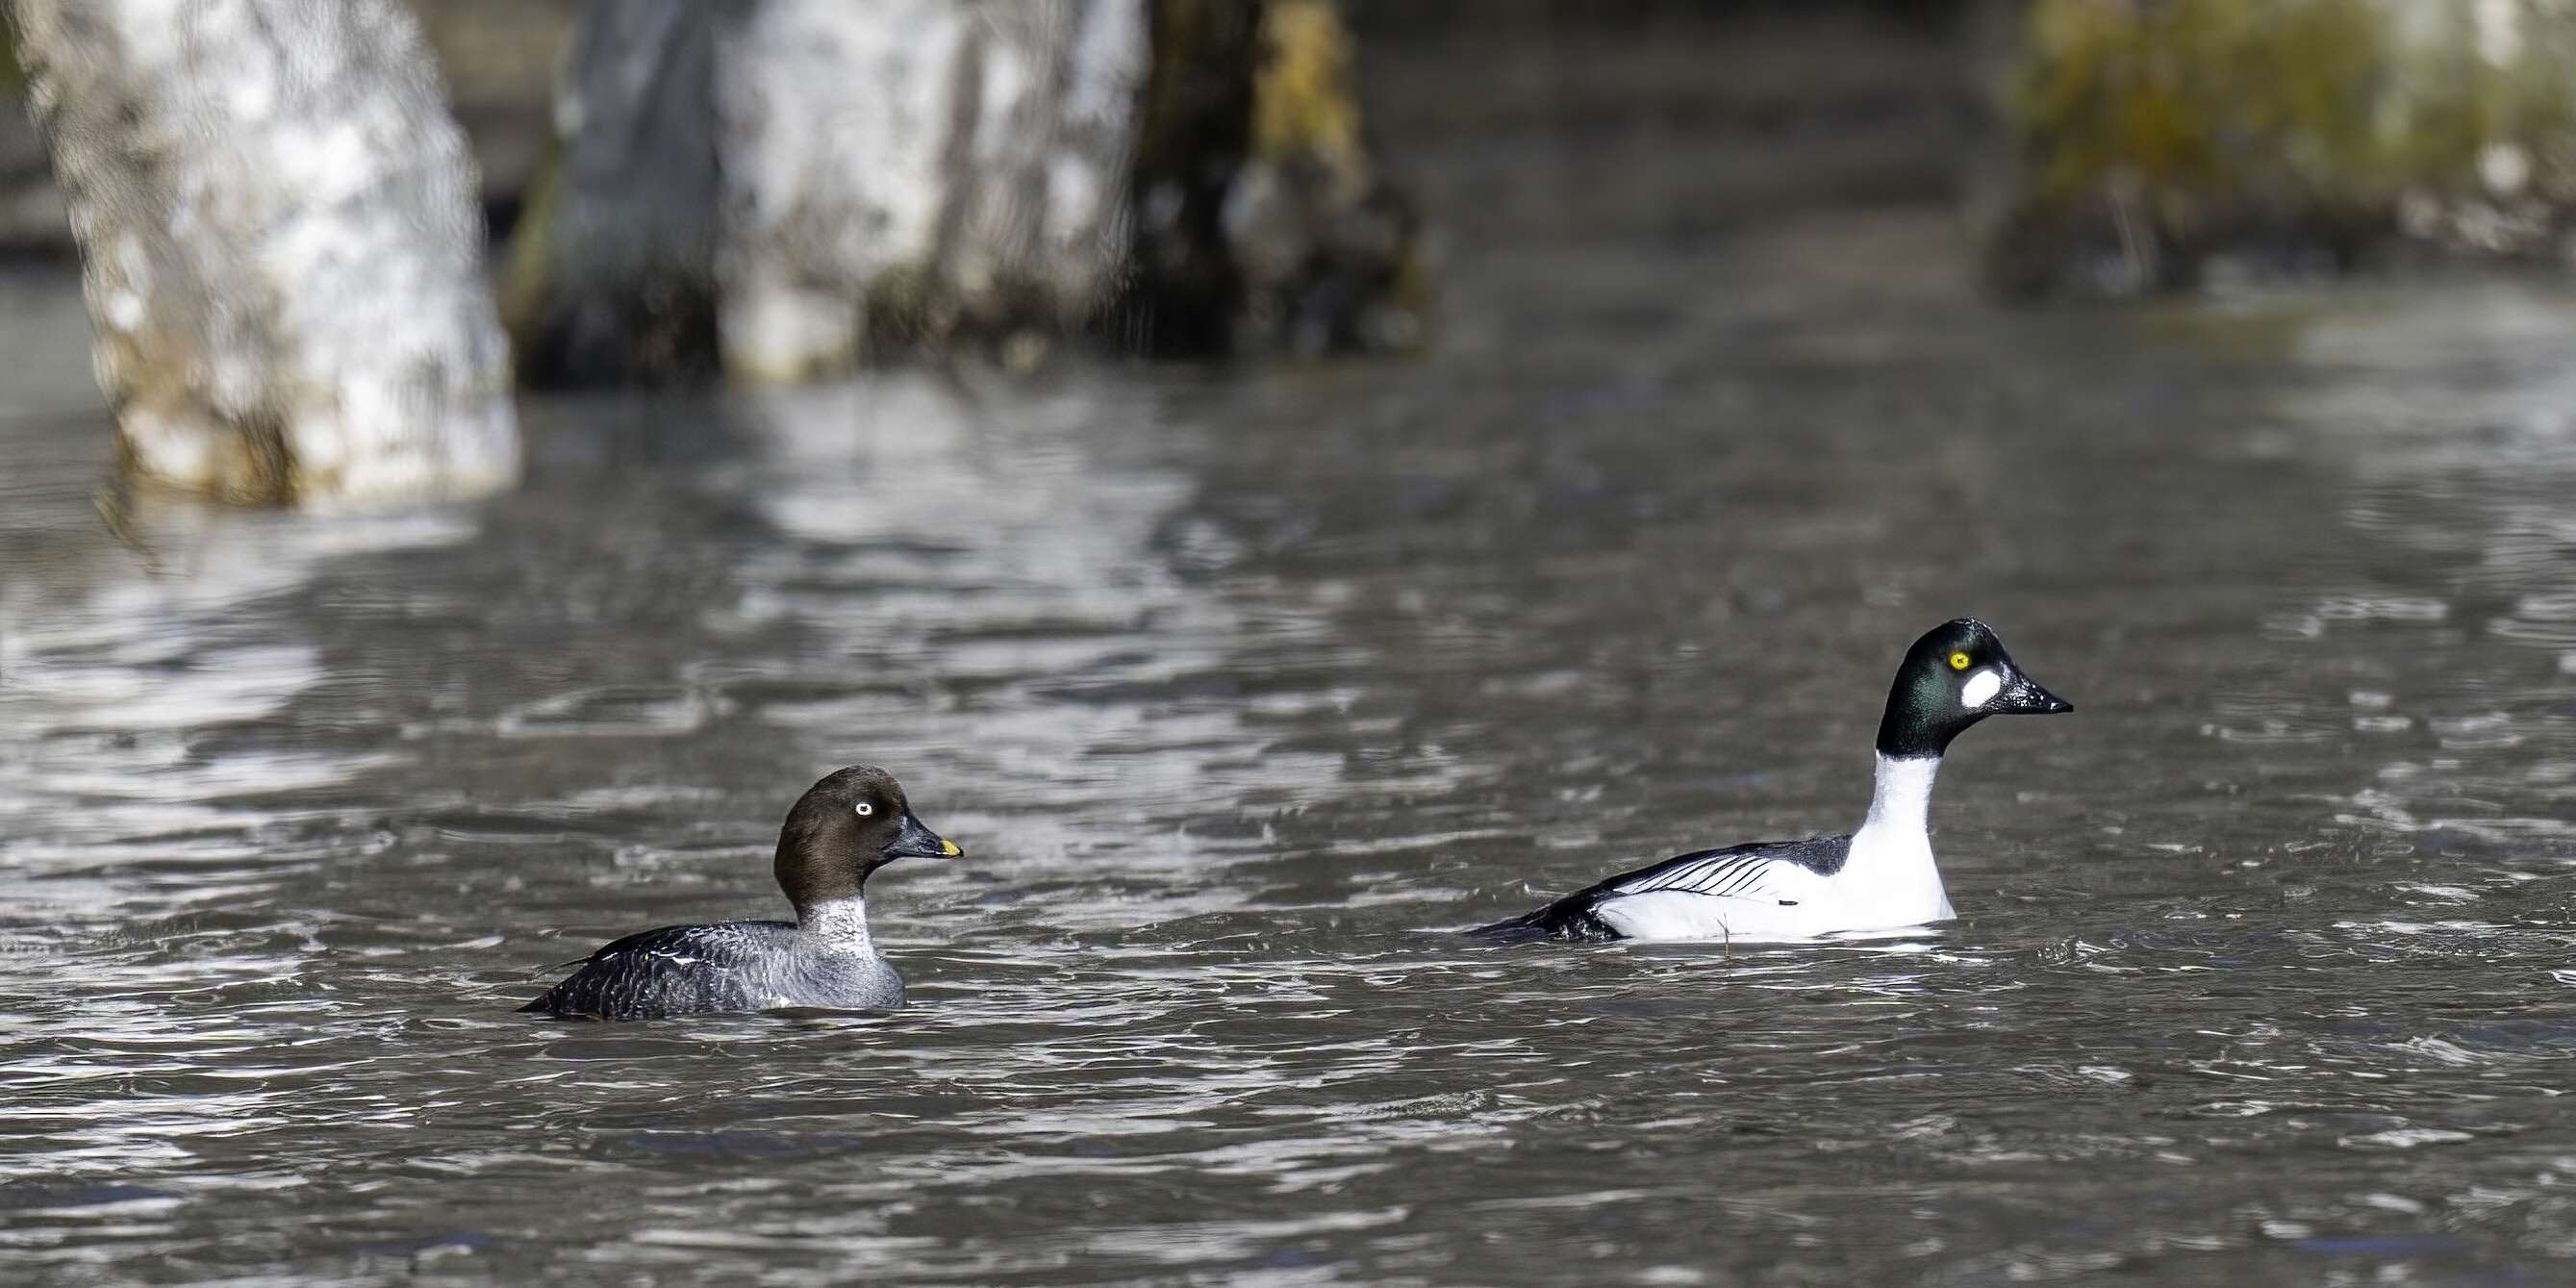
(1302,102)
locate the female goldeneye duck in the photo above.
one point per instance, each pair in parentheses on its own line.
(846,826)
(1878,878)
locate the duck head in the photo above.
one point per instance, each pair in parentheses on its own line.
(846,826)
(1953,677)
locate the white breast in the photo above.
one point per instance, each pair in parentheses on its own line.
(1890,880)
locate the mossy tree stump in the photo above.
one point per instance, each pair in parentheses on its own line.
(1263,223)
(2153,141)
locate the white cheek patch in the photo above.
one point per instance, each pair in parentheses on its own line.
(1982,687)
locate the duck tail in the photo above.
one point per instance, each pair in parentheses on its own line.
(1569,918)
(1525,929)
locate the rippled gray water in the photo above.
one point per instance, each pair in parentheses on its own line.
(1242,688)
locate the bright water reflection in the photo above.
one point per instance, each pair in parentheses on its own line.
(1241,688)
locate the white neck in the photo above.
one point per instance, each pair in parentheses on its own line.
(842,924)
(1893,879)
(1901,803)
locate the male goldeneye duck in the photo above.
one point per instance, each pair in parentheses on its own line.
(1878,878)
(848,825)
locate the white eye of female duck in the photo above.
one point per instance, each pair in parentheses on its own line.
(866,809)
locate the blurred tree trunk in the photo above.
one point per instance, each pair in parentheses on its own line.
(279,245)
(1262,221)
(899,173)
(797,185)
(817,183)
(611,276)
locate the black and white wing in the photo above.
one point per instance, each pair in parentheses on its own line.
(1743,889)
(671,971)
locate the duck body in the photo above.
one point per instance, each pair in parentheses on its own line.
(728,966)
(846,826)
(1880,876)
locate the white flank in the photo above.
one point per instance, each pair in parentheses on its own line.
(1887,881)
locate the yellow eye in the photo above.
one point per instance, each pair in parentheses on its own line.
(1959,661)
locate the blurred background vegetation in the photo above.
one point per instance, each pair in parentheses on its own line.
(1293,170)
(2315,125)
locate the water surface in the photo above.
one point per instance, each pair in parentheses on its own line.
(1243,688)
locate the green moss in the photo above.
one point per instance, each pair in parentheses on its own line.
(524,293)
(13,80)
(2183,99)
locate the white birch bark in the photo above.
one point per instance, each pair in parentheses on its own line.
(902,171)
(280,246)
